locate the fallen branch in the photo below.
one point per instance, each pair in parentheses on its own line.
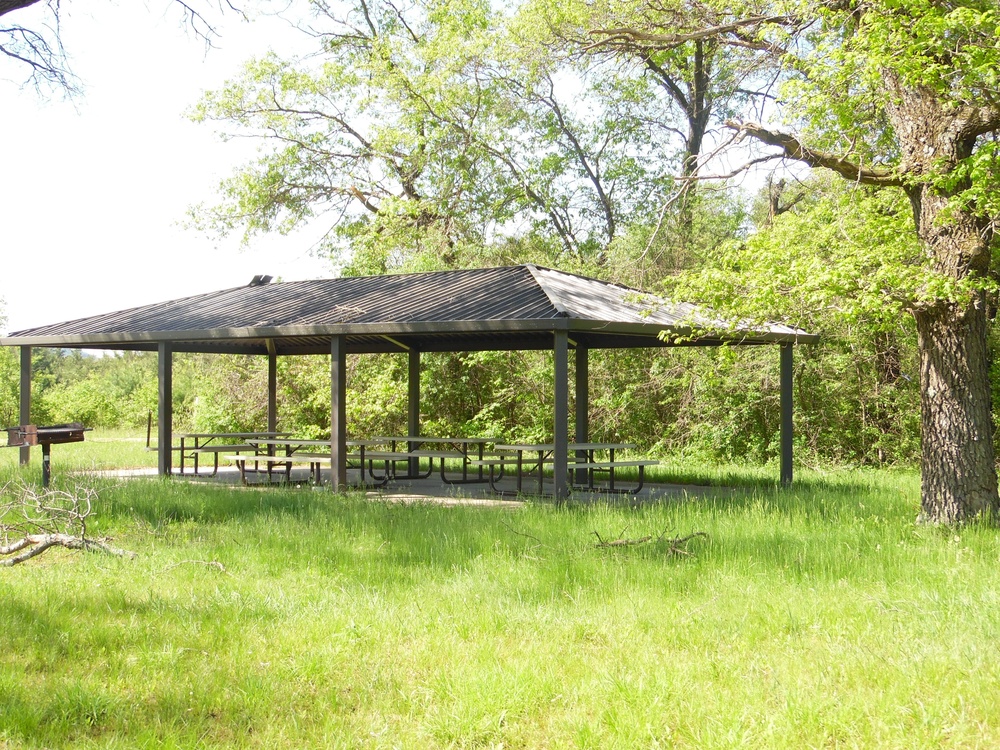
(526,536)
(33,522)
(676,544)
(35,544)
(621,542)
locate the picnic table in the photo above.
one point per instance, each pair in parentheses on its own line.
(209,443)
(315,453)
(466,450)
(528,460)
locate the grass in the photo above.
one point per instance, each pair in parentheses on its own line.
(269,618)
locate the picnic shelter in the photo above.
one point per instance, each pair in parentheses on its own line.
(522,307)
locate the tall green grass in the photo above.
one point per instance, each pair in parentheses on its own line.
(820,616)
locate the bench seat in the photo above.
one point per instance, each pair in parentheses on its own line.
(313,460)
(214,450)
(533,465)
(611,464)
(509,461)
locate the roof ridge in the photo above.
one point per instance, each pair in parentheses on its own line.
(593,278)
(561,309)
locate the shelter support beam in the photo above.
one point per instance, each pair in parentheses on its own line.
(25,416)
(272,392)
(165,408)
(582,405)
(786,414)
(413,405)
(560,456)
(338,413)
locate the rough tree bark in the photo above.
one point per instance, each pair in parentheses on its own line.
(6,6)
(958,479)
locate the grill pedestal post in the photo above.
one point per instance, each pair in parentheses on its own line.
(46,464)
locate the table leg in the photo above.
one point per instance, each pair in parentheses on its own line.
(541,474)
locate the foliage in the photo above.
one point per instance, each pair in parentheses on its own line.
(460,133)
(896,94)
(233,398)
(429,129)
(10,379)
(842,255)
(115,391)
(843,263)
(856,392)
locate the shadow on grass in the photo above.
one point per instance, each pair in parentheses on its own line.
(830,496)
(278,531)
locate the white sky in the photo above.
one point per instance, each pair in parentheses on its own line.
(93,192)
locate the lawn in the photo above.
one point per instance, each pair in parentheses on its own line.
(820,616)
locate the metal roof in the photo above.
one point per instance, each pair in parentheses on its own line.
(511,307)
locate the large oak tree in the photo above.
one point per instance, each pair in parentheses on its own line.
(900,95)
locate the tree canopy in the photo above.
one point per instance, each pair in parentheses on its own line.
(438,125)
(894,94)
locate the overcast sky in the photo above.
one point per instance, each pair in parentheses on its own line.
(93,191)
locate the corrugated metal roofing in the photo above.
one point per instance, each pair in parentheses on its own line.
(474,309)
(591,299)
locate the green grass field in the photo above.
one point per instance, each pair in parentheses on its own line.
(820,616)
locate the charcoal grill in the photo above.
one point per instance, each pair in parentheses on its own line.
(28,434)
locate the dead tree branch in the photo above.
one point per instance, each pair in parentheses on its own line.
(526,536)
(675,545)
(38,50)
(32,522)
(35,544)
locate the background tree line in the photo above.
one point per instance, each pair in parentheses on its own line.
(856,391)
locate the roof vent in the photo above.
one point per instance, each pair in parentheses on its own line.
(260,280)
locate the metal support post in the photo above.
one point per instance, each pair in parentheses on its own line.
(165,409)
(338,414)
(413,406)
(25,452)
(46,464)
(786,414)
(582,406)
(272,392)
(560,456)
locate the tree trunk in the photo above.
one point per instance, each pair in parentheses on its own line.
(959,480)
